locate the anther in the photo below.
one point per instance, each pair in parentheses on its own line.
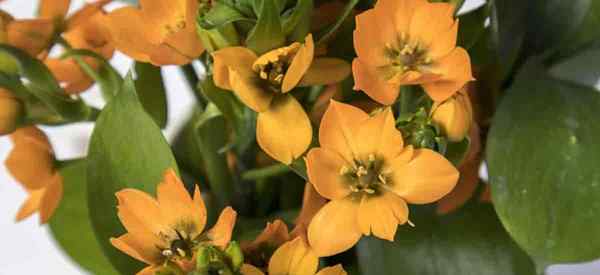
(181,252)
(369,191)
(361,171)
(411,224)
(344,170)
(382,179)
(371,157)
(353,188)
(167,253)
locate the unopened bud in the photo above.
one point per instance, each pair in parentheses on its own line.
(454,116)
(11,112)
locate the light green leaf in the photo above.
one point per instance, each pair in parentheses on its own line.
(296,25)
(151,91)
(220,15)
(267,34)
(71,226)
(127,150)
(542,156)
(469,241)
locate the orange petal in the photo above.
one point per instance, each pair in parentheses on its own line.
(367,80)
(455,69)
(454,116)
(32,35)
(335,228)
(84,14)
(323,168)
(324,71)
(92,34)
(403,11)
(220,234)
(234,57)
(141,249)
(127,29)
(139,212)
(187,40)
(247,269)
(31,161)
(274,234)
(338,128)
(373,32)
(52,196)
(312,202)
(53,9)
(164,54)
(274,134)
(426,178)
(431,20)
(300,64)
(31,205)
(247,86)
(163,18)
(443,42)
(380,215)
(333,270)
(176,203)
(149,270)
(378,135)
(293,257)
(69,74)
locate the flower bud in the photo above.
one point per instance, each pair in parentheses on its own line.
(234,251)
(11,112)
(454,116)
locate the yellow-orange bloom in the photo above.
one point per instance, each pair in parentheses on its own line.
(406,42)
(160,32)
(454,116)
(259,251)
(31,162)
(11,111)
(369,175)
(89,33)
(263,83)
(170,226)
(293,258)
(30,35)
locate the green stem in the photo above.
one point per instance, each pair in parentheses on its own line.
(265,172)
(192,79)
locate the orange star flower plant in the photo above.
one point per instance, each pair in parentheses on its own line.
(369,176)
(159,32)
(31,163)
(407,42)
(170,227)
(293,258)
(263,83)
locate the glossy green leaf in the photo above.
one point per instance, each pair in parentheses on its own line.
(508,30)
(469,241)
(267,34)
(457,151)
(40,90)
(109,80)
(71,226)
(127,150)
(296,25)
(151,91)
(586,36)
(542,156)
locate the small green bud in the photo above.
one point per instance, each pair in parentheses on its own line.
(234,251)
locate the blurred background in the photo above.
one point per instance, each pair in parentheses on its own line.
(28,248)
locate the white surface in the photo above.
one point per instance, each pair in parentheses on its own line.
(28,248)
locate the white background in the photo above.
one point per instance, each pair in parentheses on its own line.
(27,248)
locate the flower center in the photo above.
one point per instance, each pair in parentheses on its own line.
(272,66)
(405,55)
(180,245)
(273,72)
(366,177)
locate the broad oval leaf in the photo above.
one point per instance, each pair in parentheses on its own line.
(151,91)
(469,241)
(71,226)
(542,156)
(127,150)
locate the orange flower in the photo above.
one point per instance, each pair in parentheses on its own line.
(454,116)
(88,33)
(30,35)
(312,202)
(293,258)
(263,83)
(406,42)
(11,111)
(31,162)
(259,251)
(160,32)
(169,227)
(369,175)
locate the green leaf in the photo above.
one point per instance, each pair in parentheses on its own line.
(267,34)
(297,24)
(210,137)
(71,226)
(151,91)
(40,89)
(457,151)
(220,15)
(329,31)
(127,150)
(508,31)
(109,80)
(586,35)
(469,241)
(472,26)
(542,157)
